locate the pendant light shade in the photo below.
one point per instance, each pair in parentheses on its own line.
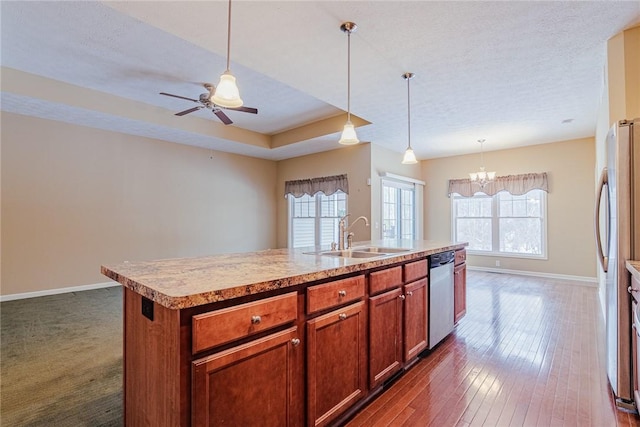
(227,93)
(409,156)
(349,136)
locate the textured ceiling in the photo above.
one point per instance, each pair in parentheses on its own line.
(509,72)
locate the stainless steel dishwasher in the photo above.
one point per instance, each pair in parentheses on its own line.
(440,296)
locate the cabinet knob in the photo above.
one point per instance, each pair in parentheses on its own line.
(402,297)
(295,342)
(409,293)
(342,316)
(342,293)
(256,319)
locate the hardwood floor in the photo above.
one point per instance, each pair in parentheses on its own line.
(529,352)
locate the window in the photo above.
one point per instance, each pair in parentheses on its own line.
(502,224)
(398,210)
(313,220)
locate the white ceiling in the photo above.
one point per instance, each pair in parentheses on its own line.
(509,72)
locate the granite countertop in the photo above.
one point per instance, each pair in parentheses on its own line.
(188,282)
(634,268)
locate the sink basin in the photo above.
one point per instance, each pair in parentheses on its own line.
(381,249)
(352,254)
(361,252)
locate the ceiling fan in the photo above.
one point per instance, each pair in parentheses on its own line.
(205,100)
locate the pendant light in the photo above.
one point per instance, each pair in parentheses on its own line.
(349,136)
(409,156)
(227,93)
(482,178)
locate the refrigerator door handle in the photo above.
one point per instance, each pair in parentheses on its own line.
(604,259)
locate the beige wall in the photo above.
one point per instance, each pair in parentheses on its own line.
(623,71)
(355,161)
(74,198)
(570,166)
(385,160)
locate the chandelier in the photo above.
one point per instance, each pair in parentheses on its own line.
(482,177)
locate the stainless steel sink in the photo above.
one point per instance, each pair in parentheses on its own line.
(381,249)
(361,252)
(347,253)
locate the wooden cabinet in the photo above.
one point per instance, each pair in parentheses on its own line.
(385,336)
(311,354)
(460,285)
(416,323)
(398,322)
(336,363)
(250,385)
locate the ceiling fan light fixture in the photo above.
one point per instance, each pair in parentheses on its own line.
(227,94)
(349,136)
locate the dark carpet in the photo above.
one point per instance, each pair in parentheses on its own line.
(61,360)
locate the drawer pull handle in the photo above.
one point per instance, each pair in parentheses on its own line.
(342,293)
(402,297)
(295,342)
(409,293)
(256,319)
(342,316)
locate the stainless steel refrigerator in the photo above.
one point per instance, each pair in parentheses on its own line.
(617,228)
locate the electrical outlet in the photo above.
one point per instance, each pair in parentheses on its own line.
(147,308)
(497,263)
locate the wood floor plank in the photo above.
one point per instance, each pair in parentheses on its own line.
(529,352)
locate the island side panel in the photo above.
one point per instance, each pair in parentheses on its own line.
(151,365)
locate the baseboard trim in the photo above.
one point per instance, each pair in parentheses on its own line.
(12,297)
(585,281)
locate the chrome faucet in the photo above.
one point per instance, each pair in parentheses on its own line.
(343,230)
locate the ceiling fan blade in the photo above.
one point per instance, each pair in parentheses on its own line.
(178,96)
(222,116)
(245,109)
(190,110)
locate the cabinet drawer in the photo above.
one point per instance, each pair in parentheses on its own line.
(415,270)
(461,256)
(222,326)
(385,279)
(321,297)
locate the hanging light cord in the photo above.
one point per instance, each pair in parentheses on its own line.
(481,141)
(409,111)
(229,36)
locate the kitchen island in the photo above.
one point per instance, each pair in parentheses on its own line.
(275,337)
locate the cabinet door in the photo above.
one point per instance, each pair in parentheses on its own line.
(253,384)
(460,292)
(415,318)
(336,363)
(385,336)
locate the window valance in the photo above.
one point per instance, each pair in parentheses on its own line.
(514,184)
(326,184)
